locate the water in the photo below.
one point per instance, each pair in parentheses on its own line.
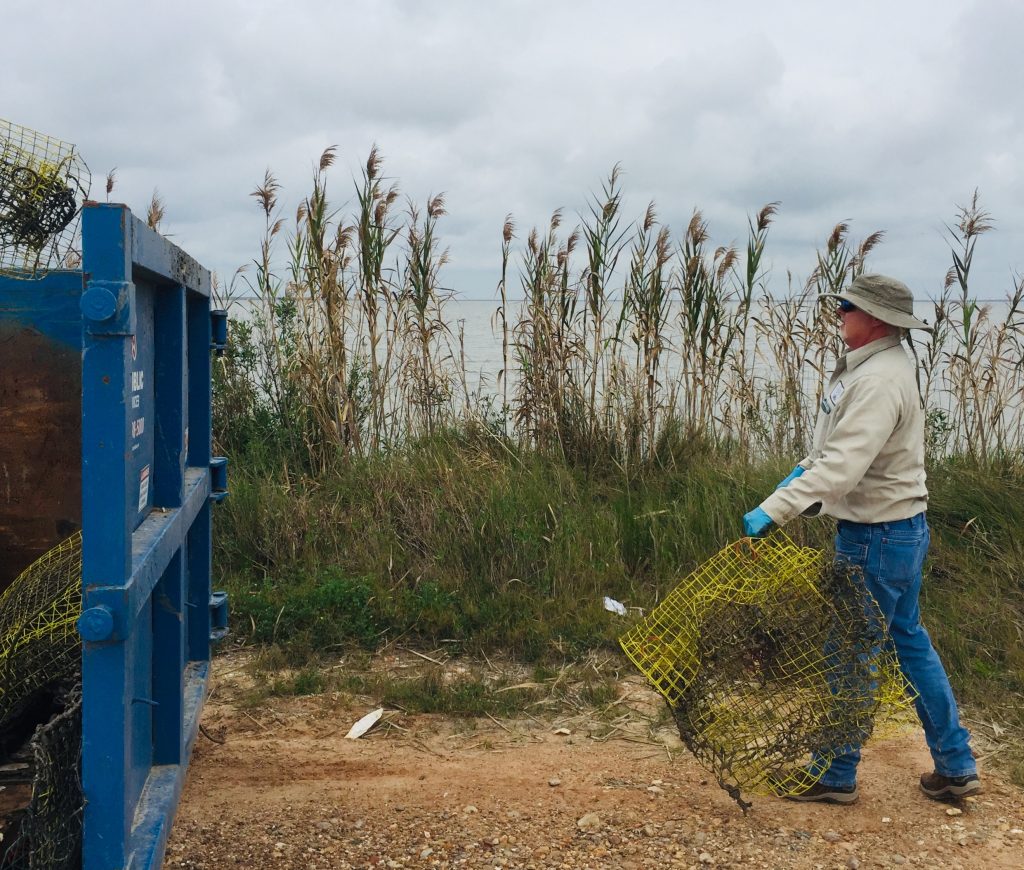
(482,335)
(481,330)
(476,338)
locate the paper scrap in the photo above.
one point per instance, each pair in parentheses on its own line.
(365,724)
(617,607)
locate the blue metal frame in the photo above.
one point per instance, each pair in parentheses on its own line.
(147,488)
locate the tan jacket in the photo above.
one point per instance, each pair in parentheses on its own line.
(867,463)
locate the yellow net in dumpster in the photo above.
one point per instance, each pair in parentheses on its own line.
(40,667)
(43,182)
(773,660)
(39,642)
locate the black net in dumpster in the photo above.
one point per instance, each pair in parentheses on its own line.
(43,183)
(47,834)
(40,716)
(767,653)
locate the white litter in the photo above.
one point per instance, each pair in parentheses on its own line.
(613,606)
(365,724)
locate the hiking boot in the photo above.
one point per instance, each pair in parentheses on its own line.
(939,787)
(827,794)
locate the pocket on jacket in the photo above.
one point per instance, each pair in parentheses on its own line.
(901,559)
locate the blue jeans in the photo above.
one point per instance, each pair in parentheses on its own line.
(892,555)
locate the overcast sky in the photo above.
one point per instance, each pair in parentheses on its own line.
(886,114)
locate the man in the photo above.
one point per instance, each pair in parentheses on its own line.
(866,469)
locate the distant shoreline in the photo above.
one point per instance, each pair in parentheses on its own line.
(459,298)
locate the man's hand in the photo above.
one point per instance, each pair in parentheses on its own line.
(793,475)
(757,523)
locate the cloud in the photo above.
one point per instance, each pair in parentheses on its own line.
(887,115)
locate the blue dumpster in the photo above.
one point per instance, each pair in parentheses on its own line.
(105,377)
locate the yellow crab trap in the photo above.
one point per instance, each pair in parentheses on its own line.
(773,659)
(43,183)
(40,711)
(39,642)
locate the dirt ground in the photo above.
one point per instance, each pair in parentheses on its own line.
(572,789)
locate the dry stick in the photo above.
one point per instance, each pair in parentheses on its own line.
(208,735)
(462,364)
(418,743)
(257,721)
(421,655)
(499,724)
(508,233)
(604,738)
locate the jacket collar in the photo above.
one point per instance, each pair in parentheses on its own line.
(849,361)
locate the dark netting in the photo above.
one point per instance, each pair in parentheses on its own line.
(43,183)
(766,654)
(49,830)
(40,655)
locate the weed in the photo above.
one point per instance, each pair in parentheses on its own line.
(375,500)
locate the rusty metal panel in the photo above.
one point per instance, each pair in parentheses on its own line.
(40,417)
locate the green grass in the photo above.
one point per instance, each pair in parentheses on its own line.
(468,540)
(374,500)
(445,688)
(464,542)
(973,597)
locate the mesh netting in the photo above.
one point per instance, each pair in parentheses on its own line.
(49,831)
(39,643)
(40,654)
(766,654)
(43,182)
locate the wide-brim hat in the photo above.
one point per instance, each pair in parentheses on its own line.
(885,298)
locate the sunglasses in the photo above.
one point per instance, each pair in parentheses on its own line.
(845,306)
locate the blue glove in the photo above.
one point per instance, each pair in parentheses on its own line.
(757,523)
(793,475)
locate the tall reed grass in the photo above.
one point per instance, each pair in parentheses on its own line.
(629,340)
(653,385)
